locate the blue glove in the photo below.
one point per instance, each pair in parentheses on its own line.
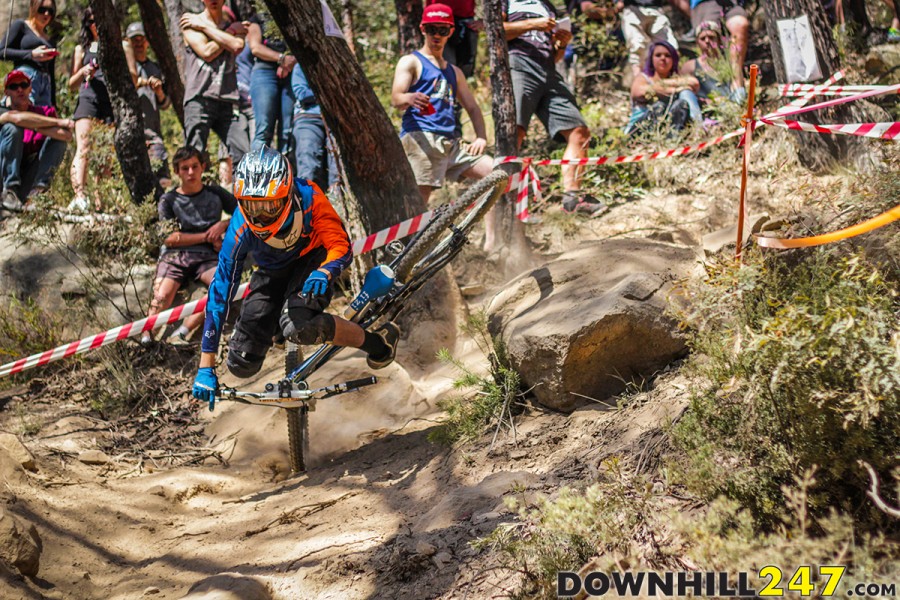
(206,386)
(316,284)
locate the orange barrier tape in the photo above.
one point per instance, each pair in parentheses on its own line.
(842,234)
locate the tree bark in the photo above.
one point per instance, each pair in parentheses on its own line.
(820,152)
(174,10)
(155,27)
(131,148)
(516,253)
(347,20)
(377,168)
(409,15)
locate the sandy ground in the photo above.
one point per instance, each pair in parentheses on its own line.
(383,512)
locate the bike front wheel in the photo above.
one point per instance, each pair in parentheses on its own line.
(297,418)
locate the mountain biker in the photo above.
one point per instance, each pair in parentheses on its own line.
(300,247)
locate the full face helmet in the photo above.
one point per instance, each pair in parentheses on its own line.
(262,185)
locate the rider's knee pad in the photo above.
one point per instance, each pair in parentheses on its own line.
(318,330)
(244,364)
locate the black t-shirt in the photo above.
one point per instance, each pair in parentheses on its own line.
(147,97)
(535,44)
(271,35)
(17,44)
(196,213)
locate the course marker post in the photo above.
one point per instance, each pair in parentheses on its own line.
(748,124)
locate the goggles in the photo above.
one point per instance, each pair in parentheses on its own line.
(262,212)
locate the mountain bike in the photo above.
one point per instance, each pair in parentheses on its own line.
(384,294)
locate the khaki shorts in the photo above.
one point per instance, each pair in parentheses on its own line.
(434,158)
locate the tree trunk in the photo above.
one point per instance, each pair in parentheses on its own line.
(516,254)
(347,20)
(155,26)
(377,169)
(174,10)
(409,15)
(820,152)
(131,148)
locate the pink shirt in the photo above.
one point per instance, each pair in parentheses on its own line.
(34,140)
(462,9)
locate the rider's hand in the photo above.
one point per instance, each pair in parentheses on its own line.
(316,284)
(206,386)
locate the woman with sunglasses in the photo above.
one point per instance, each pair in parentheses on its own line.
(27,44)
(93,103)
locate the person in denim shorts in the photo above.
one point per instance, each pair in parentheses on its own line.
(191,252)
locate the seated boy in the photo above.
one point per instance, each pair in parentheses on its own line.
(192,251)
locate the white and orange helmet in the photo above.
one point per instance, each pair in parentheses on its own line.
(263,181)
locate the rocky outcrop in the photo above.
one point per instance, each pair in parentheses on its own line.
(592,320)
(229,586)
(17,451)
(20,544)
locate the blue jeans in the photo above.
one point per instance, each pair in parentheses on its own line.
(22,173)
(314,161)
(693,104)
(273,102)
(41,86)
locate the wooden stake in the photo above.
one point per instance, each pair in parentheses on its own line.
(747,121)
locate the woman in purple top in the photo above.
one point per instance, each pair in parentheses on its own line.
(27,44)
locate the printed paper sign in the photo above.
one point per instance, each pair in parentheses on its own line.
(798,49)
(331,27)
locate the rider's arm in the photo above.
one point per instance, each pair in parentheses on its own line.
(225,283)
(329,229)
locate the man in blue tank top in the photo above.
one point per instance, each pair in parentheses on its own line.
(426,87)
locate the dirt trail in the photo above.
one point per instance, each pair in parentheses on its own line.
(383,512)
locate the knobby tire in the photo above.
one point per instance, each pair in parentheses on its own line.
(297,418)
(484,193)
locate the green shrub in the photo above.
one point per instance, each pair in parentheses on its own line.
(26,328)
(492,396)
(801,355)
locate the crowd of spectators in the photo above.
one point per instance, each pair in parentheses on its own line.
(242,83)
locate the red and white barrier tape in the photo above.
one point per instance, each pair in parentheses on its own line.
(827,90)
(884,131)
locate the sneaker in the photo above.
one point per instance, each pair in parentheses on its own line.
(178,339)
(893,35)
(390,333)
(11,201)
(146,339)
(584,204)
(78,205)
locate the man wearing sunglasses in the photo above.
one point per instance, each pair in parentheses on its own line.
(32,142)
(426,87)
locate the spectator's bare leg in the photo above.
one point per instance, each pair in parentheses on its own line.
(194,321)
(480,170)
(739,27)
(425,192)
(577,140)
(895,22)
(78,172)
(164,291)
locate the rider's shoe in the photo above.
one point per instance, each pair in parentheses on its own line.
(390,333)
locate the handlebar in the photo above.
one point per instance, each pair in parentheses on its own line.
(289,395)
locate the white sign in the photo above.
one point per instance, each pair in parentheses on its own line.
(331,27)
(798,49)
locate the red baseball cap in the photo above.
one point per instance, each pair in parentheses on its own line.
(14,76)
(437,13)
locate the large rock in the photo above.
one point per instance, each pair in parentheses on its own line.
(229,586)
(17,450)
(592,320)
(882,59)
(20,544)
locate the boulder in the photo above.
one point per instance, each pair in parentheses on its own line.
(20,544)
(17,451)
(11,470)
(882,59)
(229,586)
(592,320)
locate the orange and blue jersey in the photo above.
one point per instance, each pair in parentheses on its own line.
(314,224)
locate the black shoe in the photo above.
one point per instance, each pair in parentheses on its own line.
(390,333)
(11,201)
(583,203)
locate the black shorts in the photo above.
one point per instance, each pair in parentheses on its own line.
(185,266)
(270,293)
(540,90)
(94,106)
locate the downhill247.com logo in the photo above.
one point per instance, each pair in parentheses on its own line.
(805,581)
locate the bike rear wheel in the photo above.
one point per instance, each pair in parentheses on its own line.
(436,239)
(297,418)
